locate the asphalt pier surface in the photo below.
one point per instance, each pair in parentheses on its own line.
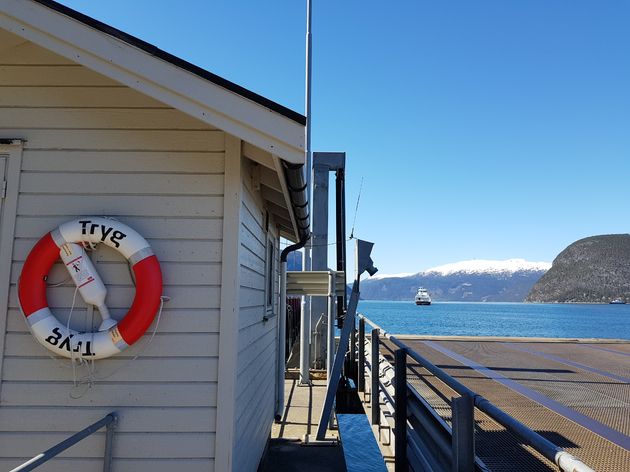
(574,393)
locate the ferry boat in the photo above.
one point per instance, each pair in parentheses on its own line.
(423,297)
(617,301)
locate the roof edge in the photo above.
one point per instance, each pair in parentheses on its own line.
(172,59)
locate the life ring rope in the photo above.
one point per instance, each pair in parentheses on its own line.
(112,337)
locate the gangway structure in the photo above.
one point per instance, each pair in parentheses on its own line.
(439,409)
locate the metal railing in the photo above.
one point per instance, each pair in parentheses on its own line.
(108,421)
(422,439)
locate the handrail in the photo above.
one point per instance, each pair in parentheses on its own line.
(566,461)
(108,421)
(371,323)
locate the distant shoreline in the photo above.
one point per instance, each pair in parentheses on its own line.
(495,303)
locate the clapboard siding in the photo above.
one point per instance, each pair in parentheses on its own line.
(88,118)
(254,424)
(249,336)
(251,241)
(122,297)
(142,369)
(252,297)
(256,360)
(26,53)
(108,394)
(118,139)
(252,280)
(188,320)
(59,75)
(94,147)
(258,346)
(162,345)
(253,261)
(258,429)
(139,419)
(121,465)
(249,316)
(161,228)
(132,161)
(128,445)
(174,273)
(166,250)
(76,97)
(76,183)
(121,205)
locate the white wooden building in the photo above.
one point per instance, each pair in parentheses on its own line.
(96,122)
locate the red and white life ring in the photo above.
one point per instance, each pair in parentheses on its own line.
(112,339)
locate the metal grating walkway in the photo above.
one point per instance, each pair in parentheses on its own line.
(576,394)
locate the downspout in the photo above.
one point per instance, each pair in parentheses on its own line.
(294,175)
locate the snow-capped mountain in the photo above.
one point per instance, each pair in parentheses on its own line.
(475,280)
(483,266)
(378,275)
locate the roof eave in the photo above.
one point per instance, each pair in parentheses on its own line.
(155,76)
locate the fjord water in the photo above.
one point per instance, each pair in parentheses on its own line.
(501,319)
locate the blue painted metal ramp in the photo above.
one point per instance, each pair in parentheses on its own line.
(360,449)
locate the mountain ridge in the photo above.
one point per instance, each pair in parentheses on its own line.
(470,281)
(472,266)
(590,270)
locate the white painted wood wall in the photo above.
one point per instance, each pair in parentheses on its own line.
(94,147)
(257,335)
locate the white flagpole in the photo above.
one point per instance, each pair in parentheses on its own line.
(305,329)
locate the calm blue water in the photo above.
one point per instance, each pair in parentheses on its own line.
(501,319)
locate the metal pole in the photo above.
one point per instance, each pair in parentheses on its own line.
(307,105)
(353,343)
(330,354)
(109,445)
(305,326)
(361,366)
(463,444)
(375,403)
(282,334)
(340,194)
(400,414)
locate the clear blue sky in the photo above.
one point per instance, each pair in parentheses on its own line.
(482,130)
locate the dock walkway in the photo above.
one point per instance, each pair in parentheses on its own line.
(574,393)
(293,446)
